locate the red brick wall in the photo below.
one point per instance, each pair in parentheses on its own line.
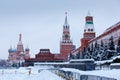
(86,38)
(65,50)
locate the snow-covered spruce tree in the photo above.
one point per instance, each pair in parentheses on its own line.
(111,44)
(96,45)
(101,44)
(118,46)
(91,51)
(111,50)
(71,56)
(98,52)
(102,51)
(92,48)
(78,55)
(104,56)
(85,53)
(96,56)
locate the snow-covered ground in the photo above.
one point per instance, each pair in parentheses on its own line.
(23,74)
(43,74)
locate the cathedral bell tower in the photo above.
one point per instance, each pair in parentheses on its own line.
(89,31)
(66,45)
(20,45)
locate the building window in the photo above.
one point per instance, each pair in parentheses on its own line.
(91,29)
(88,29)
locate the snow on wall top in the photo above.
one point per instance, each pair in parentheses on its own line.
(113,26)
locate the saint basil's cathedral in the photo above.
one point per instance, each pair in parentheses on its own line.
(66,44)
(18,54)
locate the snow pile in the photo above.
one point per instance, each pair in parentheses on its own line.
(103,62)
(115,73)
(47,75)
(117,57)
(115,64)
(44,74)
(23,74)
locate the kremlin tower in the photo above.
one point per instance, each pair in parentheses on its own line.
(18,55)
(66,45)
(89,31)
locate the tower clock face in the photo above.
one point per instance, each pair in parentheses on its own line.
(66,36)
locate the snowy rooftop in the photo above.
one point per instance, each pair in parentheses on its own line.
(110,28)
(117,57)
(81,60)
(115,64)
(51,63)
(103,62)
(107,61)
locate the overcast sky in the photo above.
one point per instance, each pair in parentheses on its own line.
(41,21)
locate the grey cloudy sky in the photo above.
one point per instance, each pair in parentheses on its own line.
(41,21)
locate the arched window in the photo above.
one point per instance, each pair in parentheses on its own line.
(91,29)
(88,29)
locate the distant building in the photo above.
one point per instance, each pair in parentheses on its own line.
(44,55)
(18,54)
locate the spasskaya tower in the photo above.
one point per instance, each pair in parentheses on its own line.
(66,45)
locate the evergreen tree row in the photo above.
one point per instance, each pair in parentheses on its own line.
(103,51)
(99,52)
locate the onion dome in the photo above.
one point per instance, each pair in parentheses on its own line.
(12,50)
(9,50)
(27,49)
